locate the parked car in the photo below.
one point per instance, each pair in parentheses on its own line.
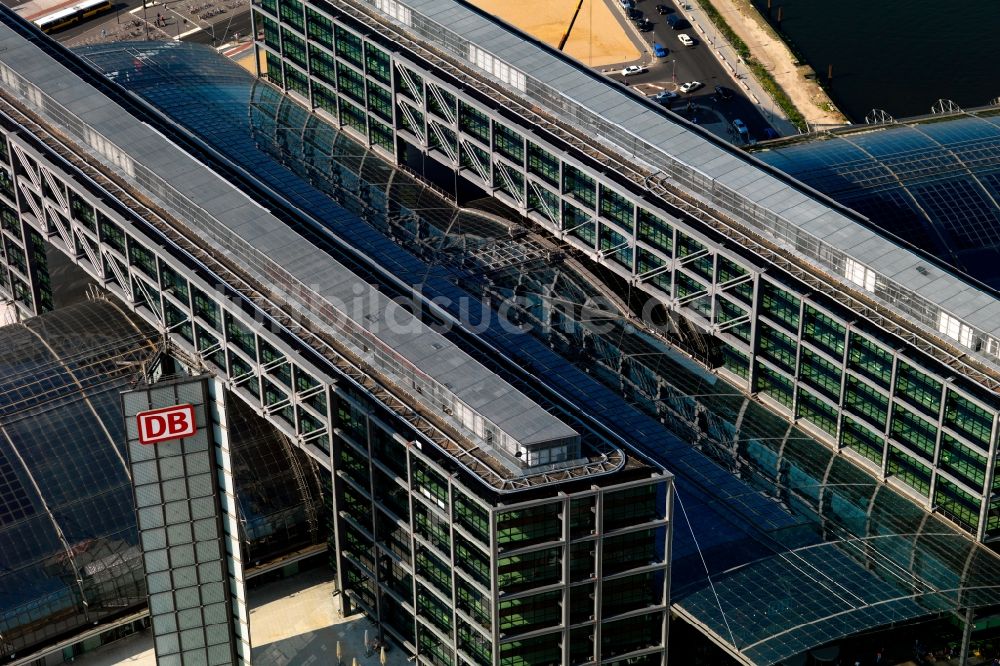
(741,129)
(690,86)
(685,39)
(659,50)
(663,9)
(665,97)
(677,22)
(633,69)
(723,93)
(634,14)
(645,25)
(628,4)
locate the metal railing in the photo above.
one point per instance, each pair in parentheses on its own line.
(788,236)
(457,442)
(290,292)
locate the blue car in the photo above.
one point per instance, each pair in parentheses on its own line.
(659,50)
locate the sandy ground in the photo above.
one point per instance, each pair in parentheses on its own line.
(768,49)
(246,62)
(597,37)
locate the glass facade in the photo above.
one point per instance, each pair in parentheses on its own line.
(400,552)
(816,385)
(746,439)
(24,279)
(799,470)
(512,570)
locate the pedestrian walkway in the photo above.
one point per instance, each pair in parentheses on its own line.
(305,627)
(235,50)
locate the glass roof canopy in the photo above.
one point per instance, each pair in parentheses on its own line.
(933,183)
(69,552)
(69,549)
(779,544)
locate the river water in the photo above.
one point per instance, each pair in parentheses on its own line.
(894,55)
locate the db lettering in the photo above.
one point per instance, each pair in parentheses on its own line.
(160,425)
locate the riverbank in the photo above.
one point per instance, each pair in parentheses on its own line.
(768,49)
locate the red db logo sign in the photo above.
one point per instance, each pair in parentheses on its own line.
(159,425)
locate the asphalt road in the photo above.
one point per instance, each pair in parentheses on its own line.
(692,63)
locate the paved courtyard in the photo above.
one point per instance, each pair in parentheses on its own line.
(292,622)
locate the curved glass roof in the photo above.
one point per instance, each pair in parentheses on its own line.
(934,183)
(69,554)
(69,551)
(760,503)
(278,488)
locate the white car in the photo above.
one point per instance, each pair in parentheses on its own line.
(685,40)
(633,69)
(665,96)
(690,86)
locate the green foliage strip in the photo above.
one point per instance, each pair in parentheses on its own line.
(763,76)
